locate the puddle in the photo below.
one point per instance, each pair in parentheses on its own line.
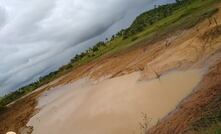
(112,106)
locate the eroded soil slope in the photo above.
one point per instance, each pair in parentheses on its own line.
(198,47)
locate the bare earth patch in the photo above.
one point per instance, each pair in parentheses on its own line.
(195,48)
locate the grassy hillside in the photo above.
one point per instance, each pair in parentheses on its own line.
(149,26)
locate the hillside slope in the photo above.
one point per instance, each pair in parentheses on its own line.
(179,47)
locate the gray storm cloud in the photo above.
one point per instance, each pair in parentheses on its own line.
(38,36)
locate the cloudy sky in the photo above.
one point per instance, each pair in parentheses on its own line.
(38,36)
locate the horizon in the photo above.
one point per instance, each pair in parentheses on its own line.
(26,61)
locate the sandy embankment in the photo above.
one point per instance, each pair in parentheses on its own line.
(113,106)
(197,47)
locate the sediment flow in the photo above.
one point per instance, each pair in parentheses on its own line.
(81,102)
(112,106)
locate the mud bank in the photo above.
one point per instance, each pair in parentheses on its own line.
(113,106)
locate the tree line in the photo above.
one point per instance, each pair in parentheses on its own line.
(141,23)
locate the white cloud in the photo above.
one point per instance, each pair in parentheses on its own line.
(38,36)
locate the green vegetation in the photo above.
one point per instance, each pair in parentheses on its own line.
(210,120)
(146,27)
(149,18)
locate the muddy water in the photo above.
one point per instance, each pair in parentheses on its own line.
(112,106)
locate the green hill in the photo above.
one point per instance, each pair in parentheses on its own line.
(148,26)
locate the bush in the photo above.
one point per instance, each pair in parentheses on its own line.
(134,38)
